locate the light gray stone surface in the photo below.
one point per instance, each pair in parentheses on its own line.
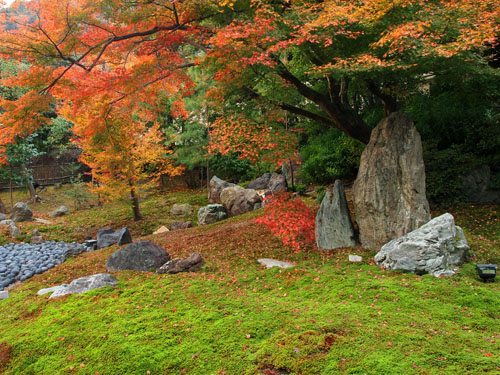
(211,214)
(53,289)
(334,227)
(389,191)
(4,294)
(355,258)
(436,248)
(81,285)
(269,263)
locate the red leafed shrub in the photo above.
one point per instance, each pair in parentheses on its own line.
(290,219)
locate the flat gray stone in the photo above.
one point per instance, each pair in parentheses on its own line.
(53,289)
(355,258)
(6,222)
(269,263)
(42,221)
(85,284)
(4,294)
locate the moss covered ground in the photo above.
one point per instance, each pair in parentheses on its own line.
(324,316)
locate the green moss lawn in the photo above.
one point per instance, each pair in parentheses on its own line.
(325,316)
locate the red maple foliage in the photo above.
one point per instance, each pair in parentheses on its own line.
(290,219)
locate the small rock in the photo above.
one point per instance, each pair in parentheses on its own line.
(211,214)
(84,284)
(57,288)
(43,221)
(355,258)
(181,210)
(107,237)
(176,225)
(60,211)
(21,212)
(162,229)
(2,216)
(14,231)
(191,264)
(4,294)
(36,238)
(269,263)
(6,222)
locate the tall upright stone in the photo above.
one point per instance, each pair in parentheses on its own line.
(334,227)
(389,191)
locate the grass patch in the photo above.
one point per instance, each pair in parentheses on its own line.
(324,316)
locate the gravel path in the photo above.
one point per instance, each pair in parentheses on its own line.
(21,261)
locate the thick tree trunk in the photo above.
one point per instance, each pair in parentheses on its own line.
(135,204)
(338,115)
(29,185)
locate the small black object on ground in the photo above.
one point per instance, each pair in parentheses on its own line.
(487,272)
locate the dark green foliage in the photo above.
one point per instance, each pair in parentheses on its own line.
(330,155)
(459,120)
(230,167)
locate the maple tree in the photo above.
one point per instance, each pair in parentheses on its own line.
(104,63)
(288,218)
(328,61)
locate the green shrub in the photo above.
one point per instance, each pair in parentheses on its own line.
(329,156)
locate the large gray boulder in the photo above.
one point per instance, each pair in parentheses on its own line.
(107,237)
(211,214)
(181,210)
(21,212)
(81,285)
(334,227)
(433,248)
(273,182)
(389,191)
(238,200)
(216,187)
(138,256)
(191,264)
